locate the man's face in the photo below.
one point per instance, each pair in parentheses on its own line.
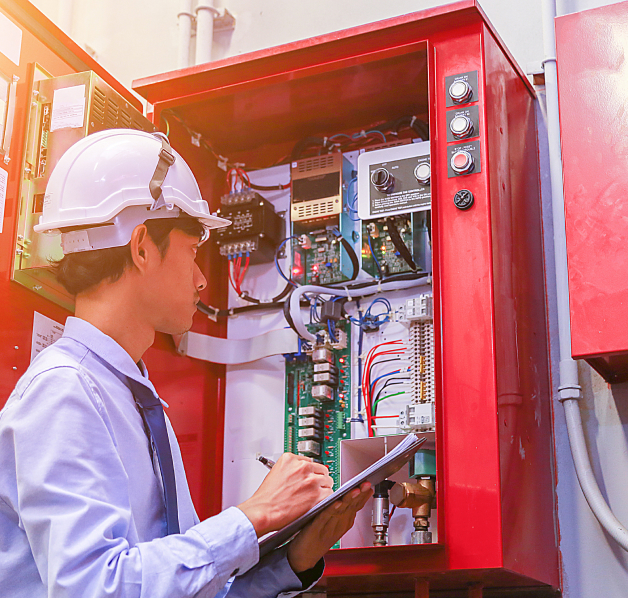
(173,285)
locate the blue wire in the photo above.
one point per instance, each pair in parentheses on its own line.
(340,135)
(358,135)
(379,268)
(331,330)
(383,376)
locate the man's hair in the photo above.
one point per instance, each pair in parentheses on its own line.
(78,272)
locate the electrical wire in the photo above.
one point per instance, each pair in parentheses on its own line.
(377,265)
(355,291)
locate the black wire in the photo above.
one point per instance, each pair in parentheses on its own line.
(400,246)
(276,299)
(355,264)
(268,188)
(389,382)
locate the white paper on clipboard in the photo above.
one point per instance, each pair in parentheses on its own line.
(68,108)
(380,470)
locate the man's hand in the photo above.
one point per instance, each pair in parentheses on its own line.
(318,537)
(293,486)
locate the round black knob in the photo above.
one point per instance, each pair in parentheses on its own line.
(382,180)
(463,199)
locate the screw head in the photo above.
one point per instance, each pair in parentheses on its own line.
(463,199)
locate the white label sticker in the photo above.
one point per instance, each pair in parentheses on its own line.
(10,39)
(4,178)
(45,332)
(68,108)
(76,240)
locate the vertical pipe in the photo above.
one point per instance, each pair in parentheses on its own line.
(185,33)
(205,14)
(569,387)
(65,13)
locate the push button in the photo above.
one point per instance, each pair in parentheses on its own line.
(462,162)
(460,91)
(422,173)
(461,126)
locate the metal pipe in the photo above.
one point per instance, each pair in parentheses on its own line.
(185,18)
(205,13)
(569,391)
(66,12)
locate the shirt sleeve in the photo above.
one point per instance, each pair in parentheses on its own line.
(74,506)
(273,577)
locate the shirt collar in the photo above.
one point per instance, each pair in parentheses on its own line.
(106,349)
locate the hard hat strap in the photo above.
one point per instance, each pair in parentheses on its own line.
(166,160)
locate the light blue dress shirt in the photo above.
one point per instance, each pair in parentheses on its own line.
(81,504)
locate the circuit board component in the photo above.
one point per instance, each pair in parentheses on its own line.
(317,414)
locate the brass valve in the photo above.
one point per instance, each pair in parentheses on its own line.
(420,496)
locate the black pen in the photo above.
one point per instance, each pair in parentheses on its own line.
(264,461)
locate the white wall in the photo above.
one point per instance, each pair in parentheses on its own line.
(137,38)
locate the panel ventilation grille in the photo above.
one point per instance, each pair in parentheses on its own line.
(319,208)
(316,163)
(99,100)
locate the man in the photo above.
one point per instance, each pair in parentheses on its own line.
(93,495)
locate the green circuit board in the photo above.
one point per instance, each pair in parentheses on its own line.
(411,228)
(334,413)
(318,261)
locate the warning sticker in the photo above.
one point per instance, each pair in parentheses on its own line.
(45,332)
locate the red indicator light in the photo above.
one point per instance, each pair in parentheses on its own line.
(342,360)
(296,271)
(315,268)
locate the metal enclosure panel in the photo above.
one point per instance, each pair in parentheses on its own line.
(491,349)
(183,382)
(591,49)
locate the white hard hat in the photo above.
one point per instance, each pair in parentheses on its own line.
(109,182)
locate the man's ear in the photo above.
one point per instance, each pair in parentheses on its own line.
(141,245)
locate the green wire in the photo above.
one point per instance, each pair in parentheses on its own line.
(376,403)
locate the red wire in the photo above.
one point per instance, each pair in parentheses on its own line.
(230,276)
(366,377)
(236,274)
(241,278)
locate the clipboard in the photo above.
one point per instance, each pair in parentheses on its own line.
(380,470)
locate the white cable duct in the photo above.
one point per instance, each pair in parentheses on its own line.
(205,14)
(233,351)
(295,298)
(185,18)
(569,391)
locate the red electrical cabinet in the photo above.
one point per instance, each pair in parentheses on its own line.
(495,490)
(591,46)
(496,516)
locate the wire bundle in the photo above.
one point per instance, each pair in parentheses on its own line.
(395,348)
(237,271)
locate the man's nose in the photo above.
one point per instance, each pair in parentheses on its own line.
(200,282)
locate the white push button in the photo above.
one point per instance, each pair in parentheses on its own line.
(460,91)
(422,173)
(461,126)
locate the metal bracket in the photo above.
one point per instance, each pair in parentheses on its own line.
(222,22)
